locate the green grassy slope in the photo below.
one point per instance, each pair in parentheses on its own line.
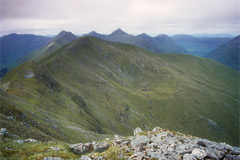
(90,89)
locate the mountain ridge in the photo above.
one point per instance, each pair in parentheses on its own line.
(155,44)
(103,88)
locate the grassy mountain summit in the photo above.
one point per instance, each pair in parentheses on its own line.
(159,44)
(91,88)
(228,53)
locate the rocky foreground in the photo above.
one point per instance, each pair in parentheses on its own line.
(159,144)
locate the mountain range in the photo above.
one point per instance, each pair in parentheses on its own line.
(90,89)
(199,46)
(52,45)
(214,35)
(158,44)
(19,48)
(15,46)
(228,53)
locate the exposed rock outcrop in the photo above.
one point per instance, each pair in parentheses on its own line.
(160,144)
(89,147)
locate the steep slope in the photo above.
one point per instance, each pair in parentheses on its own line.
(91,88)
(15,46)
(199,46)
(227,53)
(159,44)
(57,42)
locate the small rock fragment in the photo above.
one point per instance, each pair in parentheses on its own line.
(101,146)
(200,154)
(137,131)
(81,148)
(189,157)
(52,158)
(201,143)
(85,158)
(156,129)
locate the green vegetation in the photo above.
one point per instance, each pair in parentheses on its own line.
(111,153)
(91,89)
(39,151)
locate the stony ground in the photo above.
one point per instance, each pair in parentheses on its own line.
(157,144)
(160,144)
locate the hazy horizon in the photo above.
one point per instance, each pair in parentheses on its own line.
(152,17)
(80,34)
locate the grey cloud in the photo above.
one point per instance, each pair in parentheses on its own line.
(134,16)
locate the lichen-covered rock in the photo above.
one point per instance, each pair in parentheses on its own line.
(137,131)
(25,141)
(219,153)
(30,141)
(154,154)
(101,146)
(10,118)
(29,75)
(141,140)
(200,154)
(4,133)
(156,129)
(55,148)
(81,148)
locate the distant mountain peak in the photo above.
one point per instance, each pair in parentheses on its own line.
(64,33)
(143,35)
(63,38)
(118,31)
(93,32)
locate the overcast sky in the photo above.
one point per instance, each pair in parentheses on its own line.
(48,17)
